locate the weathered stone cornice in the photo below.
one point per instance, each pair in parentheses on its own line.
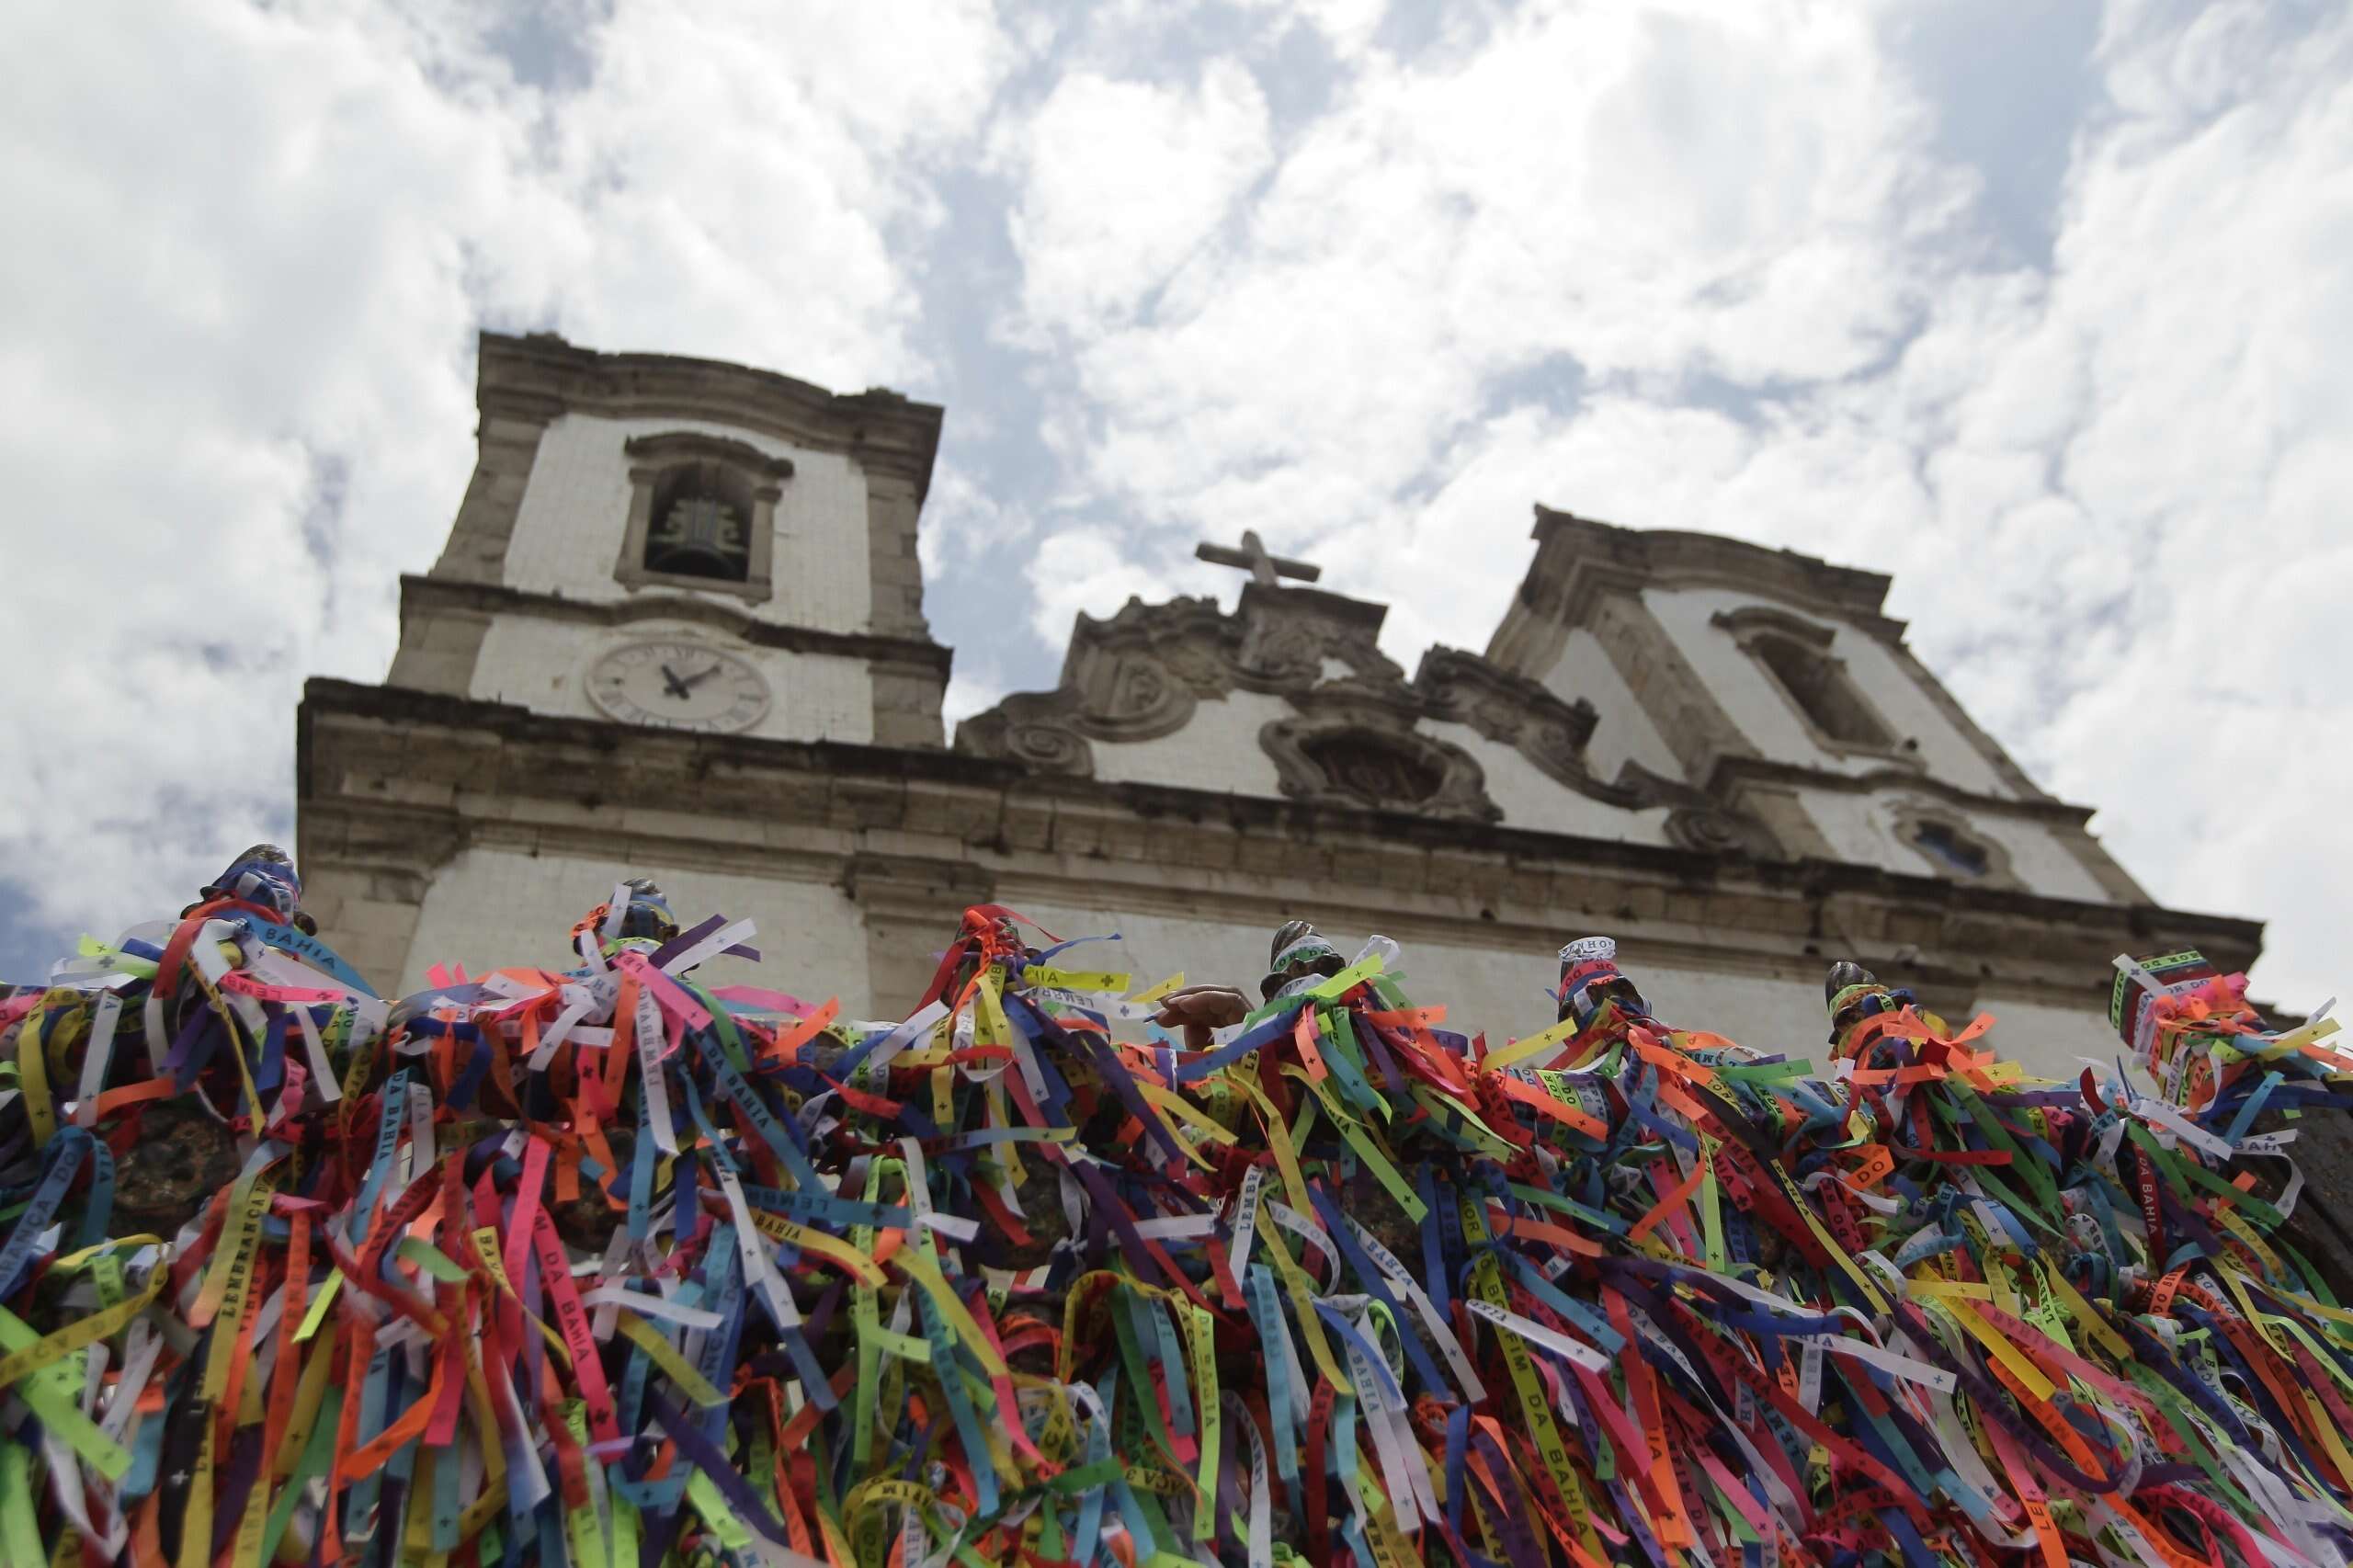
(455,771)
(687,446)
(425,595)
(1578,558)
(1735,770)
(534,378)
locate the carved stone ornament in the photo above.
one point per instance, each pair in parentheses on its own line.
(1357,738)
(1341,759)
(1039,729)
(1138,675)
(1519,712)
(1714,831)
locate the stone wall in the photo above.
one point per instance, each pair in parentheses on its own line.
(502,826)
(575,511)
(540,664)
(1679,626)
(491,903)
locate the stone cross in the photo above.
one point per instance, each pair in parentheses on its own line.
(1253,558)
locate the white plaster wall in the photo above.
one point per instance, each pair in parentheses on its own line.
(542,665)
(1506,994)
(1756,703)
(1764,1013)
(1220,750)
(2043,863)
(1533,801)
(1217,749)
(1863,829)
(1859,833)
(574,516)
(495,908)
(1498,991)
(2048,1040)
(1624,732)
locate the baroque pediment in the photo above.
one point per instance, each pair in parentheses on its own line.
(1358,733)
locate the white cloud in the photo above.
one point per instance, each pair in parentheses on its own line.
(2111,490)
(1347,25)
(962,523)
(1660,194)
(1123,181)
(251,250)
(1087,568)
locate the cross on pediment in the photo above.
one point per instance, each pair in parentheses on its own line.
(1253,558)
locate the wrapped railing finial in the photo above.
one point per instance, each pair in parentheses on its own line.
(1854,996)
(1298,954)
(1591,980)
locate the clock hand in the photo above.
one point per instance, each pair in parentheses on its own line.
(698,678)
(670,680)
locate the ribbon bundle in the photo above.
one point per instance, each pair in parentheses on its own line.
(606,1266)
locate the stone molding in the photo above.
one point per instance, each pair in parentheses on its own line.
(1578,558)
(393,779)
(2093,856)
(1464,688)
(537,377)
(667,446)
(424,600)
(1681,706)
(505,449)
(441,642)
(910,883)
(1591,574)
(1750,620)
(1735,773)
(1594,575)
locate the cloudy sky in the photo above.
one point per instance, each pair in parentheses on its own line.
(2043,308)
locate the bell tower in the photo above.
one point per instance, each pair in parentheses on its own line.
(672,543)
(677,596)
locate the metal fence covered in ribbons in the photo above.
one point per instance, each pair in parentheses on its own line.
(605,1265)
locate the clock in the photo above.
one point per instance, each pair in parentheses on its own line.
(678,686)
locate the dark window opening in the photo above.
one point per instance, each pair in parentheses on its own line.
(701,524)
(1820,688)
(1959,854)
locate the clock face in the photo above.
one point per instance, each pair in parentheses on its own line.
(678,686)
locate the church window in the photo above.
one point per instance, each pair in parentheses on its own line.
(1948,843)
(702,524)
(1819,686)
(1955,851)
(702,514)
(1796,656)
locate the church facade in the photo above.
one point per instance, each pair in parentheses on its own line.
(678,632)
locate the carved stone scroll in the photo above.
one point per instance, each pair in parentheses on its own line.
(1358,738)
